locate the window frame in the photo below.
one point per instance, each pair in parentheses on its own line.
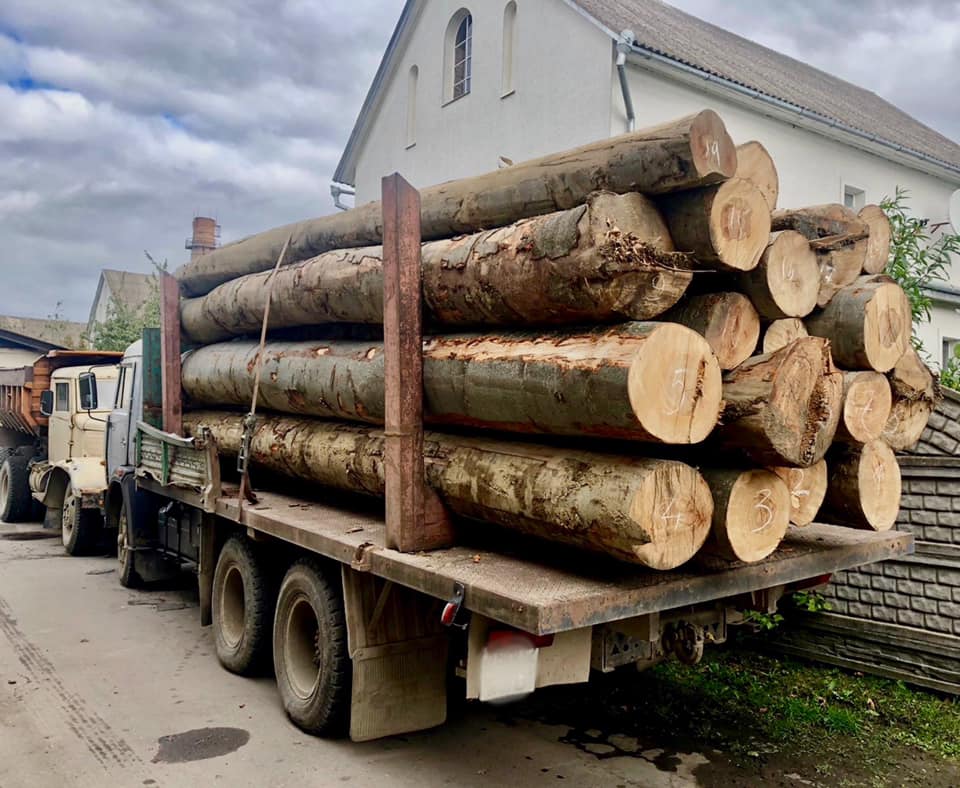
(458,55)
(61,386)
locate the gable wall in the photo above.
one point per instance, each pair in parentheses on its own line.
(562,74)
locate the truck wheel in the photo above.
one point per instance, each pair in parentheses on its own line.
(81,528)
(310,650)
(242,605)
(16,503)
(126,556)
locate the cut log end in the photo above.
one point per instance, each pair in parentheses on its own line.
(713,151)
(739,224)
(781,333)
(878,243)
(864,488)
(915,395)
(807,488)
(756,165)
(839,268)
(786,281)
(728,321)
(866,407)
(751,514)
(887,327)
(674,385)
(673,506)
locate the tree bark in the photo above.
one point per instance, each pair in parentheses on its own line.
(915,395)
(727,321)
(868,324)
(724,226)
(821,221)
(650,512)
(781,333)
(751,512)
(786,281)
(782,408)
(864,487)
(682,154)
(756,165)
(655,382)
(807,487)
(878,244)
(866,407)
(608,260)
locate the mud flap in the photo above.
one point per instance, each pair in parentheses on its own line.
(398,648)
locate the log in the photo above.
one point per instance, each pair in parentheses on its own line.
(608,260)
(864,487)
(727,321)
(866,407)
(782,408)
(785,283)
(781,333)
(756,165)
(654,382)
(682,154)
(751,512)
(655,513)
(724,226)
(915,396)
(868,324)
(840,264)
(821,221)
(807,487)
(878,244)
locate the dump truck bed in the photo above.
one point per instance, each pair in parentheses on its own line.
(543,595)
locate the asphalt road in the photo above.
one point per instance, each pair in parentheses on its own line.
(102,686)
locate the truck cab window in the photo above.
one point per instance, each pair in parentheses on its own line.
(121,386)
(62,397)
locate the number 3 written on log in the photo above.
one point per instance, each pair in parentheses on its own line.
(677,392)
(763,506)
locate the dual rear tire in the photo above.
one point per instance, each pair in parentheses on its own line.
(300,624)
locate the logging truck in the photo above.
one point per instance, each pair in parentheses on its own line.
(53,414)
(364,639)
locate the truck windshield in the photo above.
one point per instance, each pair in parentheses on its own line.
(106,393)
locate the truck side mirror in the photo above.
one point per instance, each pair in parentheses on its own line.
(87,381)
(46,402)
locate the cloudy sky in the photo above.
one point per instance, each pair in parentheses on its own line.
(122,119)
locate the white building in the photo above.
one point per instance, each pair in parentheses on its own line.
(461,86)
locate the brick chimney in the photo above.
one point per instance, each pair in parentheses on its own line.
(206,236)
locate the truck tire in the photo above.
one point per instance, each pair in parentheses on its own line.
(16,502)
(81,528)
(310,650)
(243,597)
(126,557)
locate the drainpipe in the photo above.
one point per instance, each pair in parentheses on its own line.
(338,191)
(624,47)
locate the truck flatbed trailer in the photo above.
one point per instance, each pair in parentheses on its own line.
(541,596)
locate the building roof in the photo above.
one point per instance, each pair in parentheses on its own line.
(42,334)
(668,31)
(126,287)
(691,43)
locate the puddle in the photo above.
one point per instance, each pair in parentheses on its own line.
(200,744)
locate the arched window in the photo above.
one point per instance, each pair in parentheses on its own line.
(458,58)
(509,36)
(412,81)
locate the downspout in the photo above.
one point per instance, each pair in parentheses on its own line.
(624,47)
(338,191)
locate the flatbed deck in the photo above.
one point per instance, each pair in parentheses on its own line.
(546,594)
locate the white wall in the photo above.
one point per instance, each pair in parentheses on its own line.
(562,74)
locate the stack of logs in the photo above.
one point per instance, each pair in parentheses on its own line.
(718,368)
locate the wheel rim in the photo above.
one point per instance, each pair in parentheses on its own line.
(233,607)
(123,553)
(68,517)
(4,487)
(301,655)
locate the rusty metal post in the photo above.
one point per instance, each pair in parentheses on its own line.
(170,353)
(416,520)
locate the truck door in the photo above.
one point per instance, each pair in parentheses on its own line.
(60,429)
(119,448)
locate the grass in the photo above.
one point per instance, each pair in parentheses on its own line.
(738,698)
